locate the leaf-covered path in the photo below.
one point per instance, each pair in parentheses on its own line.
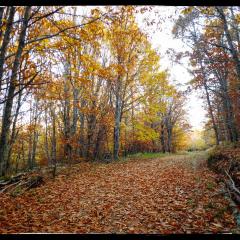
(172,194)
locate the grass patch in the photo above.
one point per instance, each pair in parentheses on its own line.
(198,154)
(160,154)
(148,155)
(151,155)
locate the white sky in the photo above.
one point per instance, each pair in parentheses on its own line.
(162,39)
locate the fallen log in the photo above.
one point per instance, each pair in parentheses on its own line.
(8,186)
(13,179)
(34,181)
(230,184)
(21,183)
(233,183)
(4,183)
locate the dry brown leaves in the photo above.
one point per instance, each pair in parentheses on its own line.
(164,195)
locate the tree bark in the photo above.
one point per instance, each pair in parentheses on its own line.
(169,136)
(33,137)
(67,130)
(82,149)
(90,134)
(5,42)
(6,119)
(234,52)
(117,121)
(199,56)
(162,137)
(54,142)
(13,134)
(46,137)
(211,112)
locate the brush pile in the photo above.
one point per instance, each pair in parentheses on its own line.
(226,162)
(20,183)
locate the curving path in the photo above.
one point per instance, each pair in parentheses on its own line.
(172,194)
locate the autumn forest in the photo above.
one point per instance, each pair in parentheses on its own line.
(96,135)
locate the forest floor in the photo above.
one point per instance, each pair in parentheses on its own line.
(166,194)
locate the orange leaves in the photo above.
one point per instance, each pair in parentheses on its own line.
(162,195)
(95,12)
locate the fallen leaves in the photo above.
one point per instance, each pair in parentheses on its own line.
(165,195)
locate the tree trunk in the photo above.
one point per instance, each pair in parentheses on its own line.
(90,134)
(227,104)
(46,138)
(82,149)
(67,130)
(162,137)
(17,162)
(34,148)
(133,125)
(98,142)
(117,126)
(13,134)
(75,111)
(54,142)
(230,42)
(33,138)
(5,42)
(169,137)
(211,113)
(6,119)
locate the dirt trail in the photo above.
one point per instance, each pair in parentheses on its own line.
(171,194)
